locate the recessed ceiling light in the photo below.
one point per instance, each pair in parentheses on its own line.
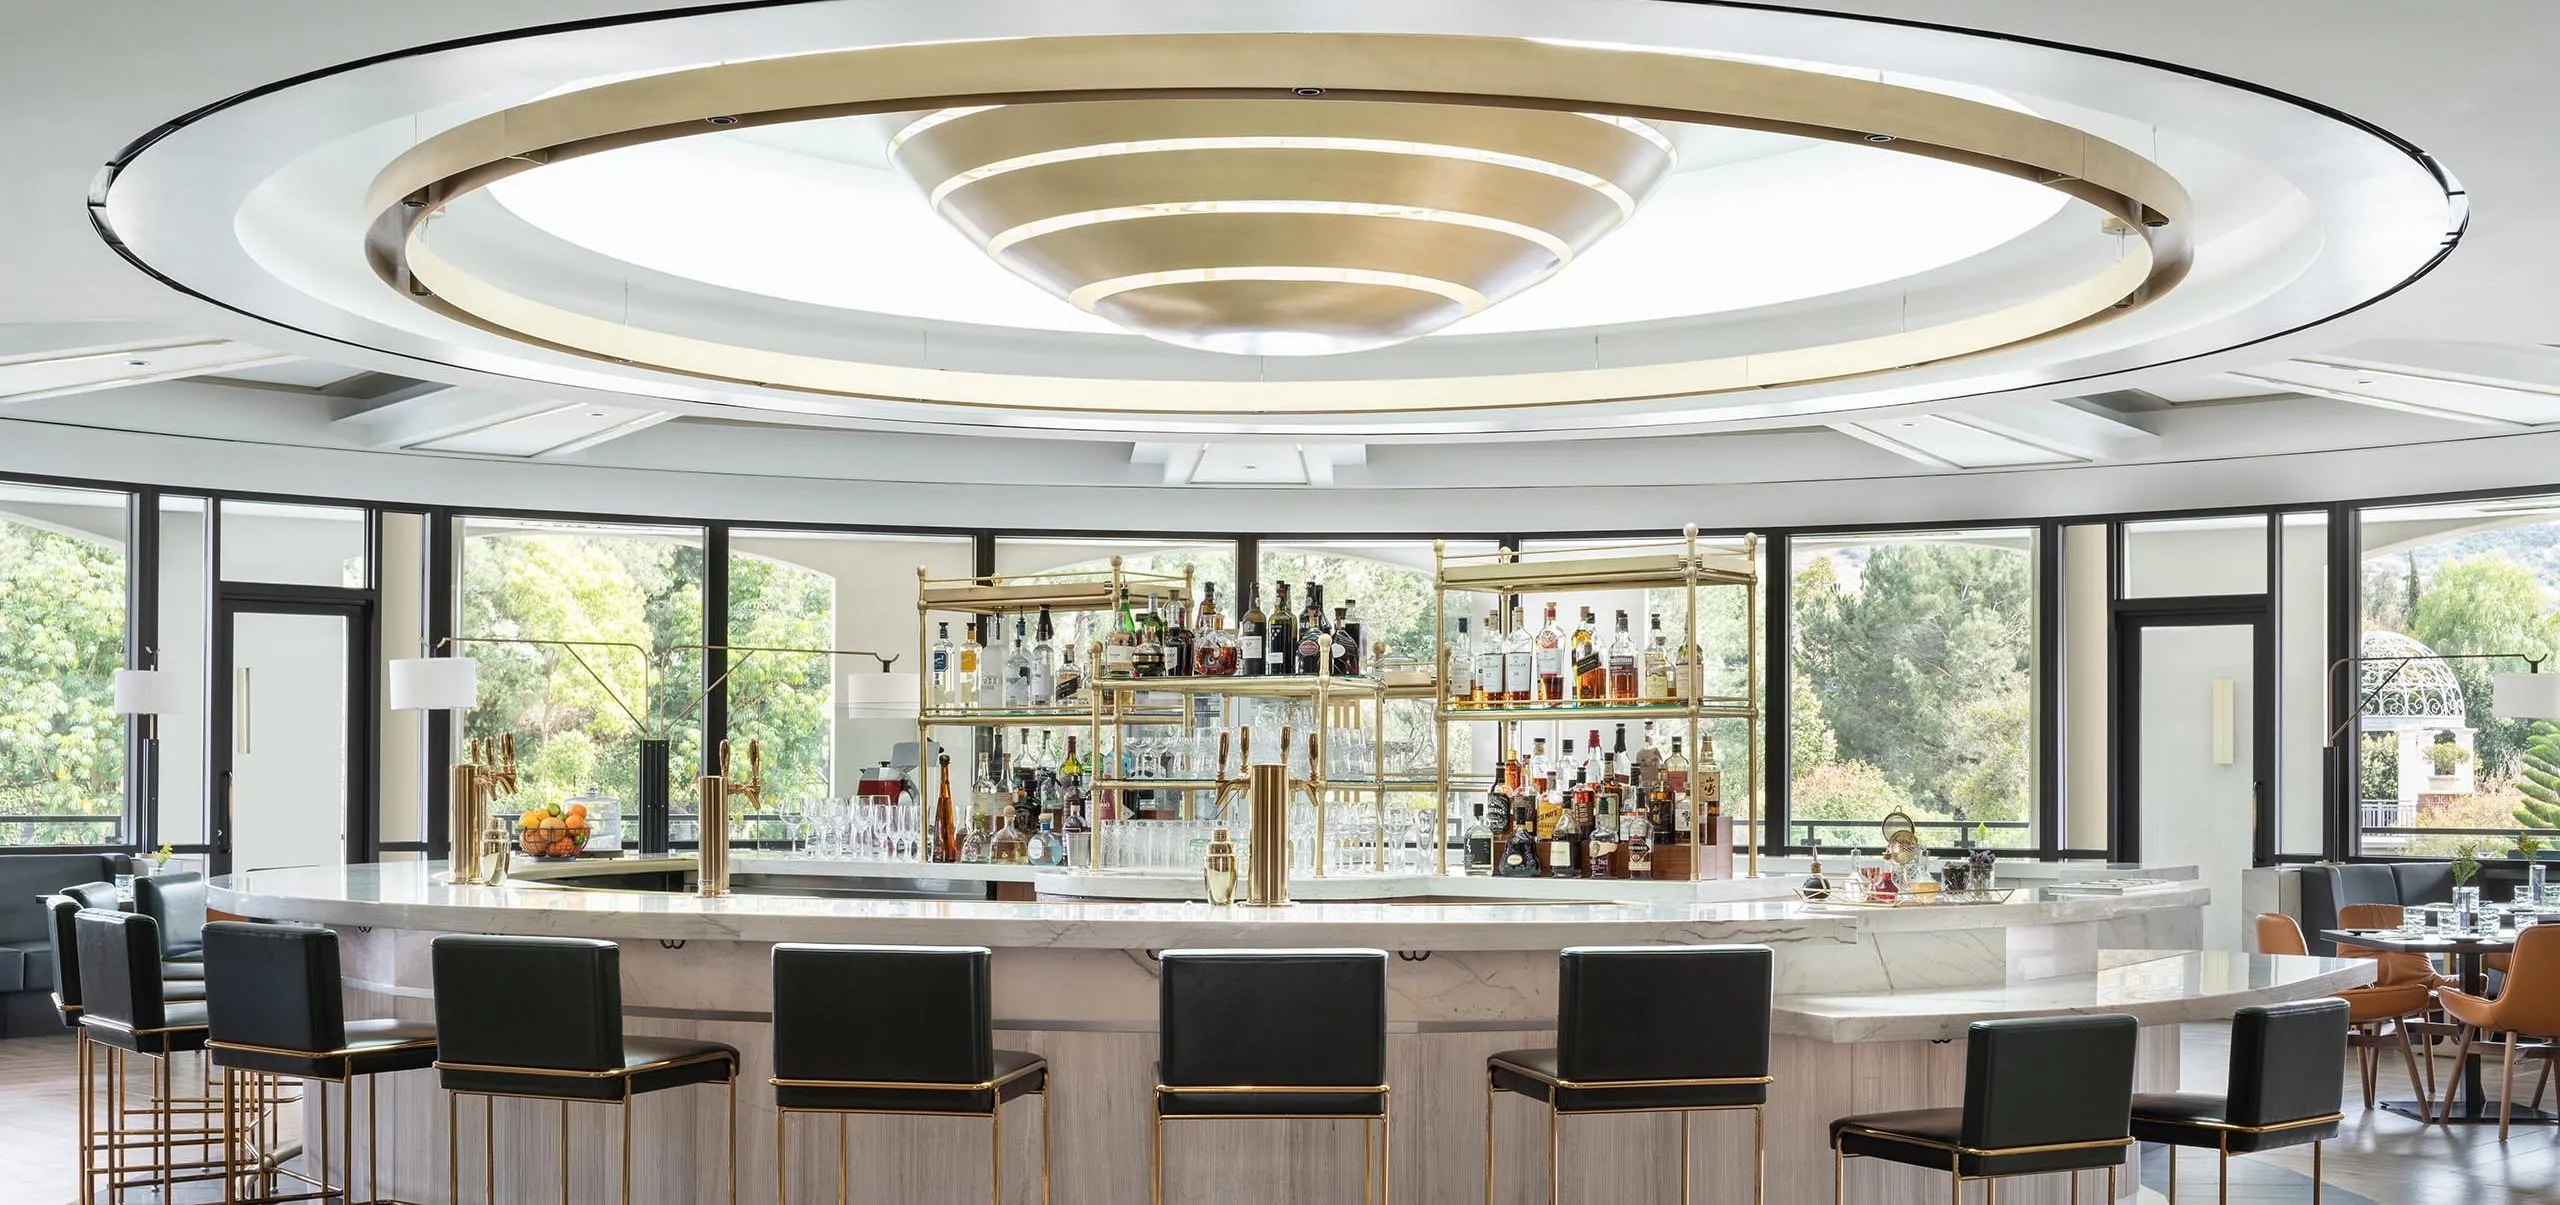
(595,414)
(1879,137)
(137,363)
(722,121)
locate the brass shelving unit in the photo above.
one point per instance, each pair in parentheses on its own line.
(993,595)
(1619,565)
(1325,695)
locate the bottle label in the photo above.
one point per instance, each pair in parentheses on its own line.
(1118,655)
(1252,647)
(1587,662)
(968,661)
(1560,855)
(1550,661)
(941,661)
(1488,672)
(1515,671)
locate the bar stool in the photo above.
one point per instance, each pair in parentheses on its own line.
(177,903)
(123,1007)
(1246,1034)
(482,987)
(2288,1067)
(102,896)
(62,936)
(901,1030)
(1648,1029)
(275,1009)
(2041,1094)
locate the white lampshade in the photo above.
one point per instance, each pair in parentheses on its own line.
(435,684)
(145,692)
(881,696)
(2527,696)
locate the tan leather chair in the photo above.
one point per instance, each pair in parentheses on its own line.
(2396,967)
(2369,1009)
(2529,1008)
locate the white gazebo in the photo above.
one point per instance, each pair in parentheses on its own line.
(2411,693)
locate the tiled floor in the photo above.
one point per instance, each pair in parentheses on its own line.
(2379,1159)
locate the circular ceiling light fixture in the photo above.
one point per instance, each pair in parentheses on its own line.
(1273,227)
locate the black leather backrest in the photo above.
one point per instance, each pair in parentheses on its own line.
(101,896)
(1663,1012)
(274,986)
(177,902)
(25,878)
(63,934)
(2327,888)
(1277,1018)
(2421,883)
(884,1014)
(120,968)
(2288,1061)
(2042,1081)
(553,1002)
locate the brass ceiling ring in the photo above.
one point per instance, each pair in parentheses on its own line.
(1643,85)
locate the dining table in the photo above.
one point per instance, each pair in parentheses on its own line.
(2468,950)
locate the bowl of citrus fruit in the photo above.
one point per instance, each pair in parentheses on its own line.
(551,831)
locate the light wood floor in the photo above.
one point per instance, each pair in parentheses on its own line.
(2379,1159)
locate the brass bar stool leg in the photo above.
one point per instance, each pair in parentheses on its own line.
(1386,1155)
(1759,1155)
(1684,1157)
(2173,1174)
(1839,1176)
(781,1158)
(840,1159)
(733,1132)
(88,1115)
(2224,1163)
(1554,1178)
(564,1153)
(1488,1138)
(1368,1182)
(489,1149)
(995,1154)
(2074,1177)
(230,1157)
(1955,1185)
(1044,1142)
(373,1140)
(1990,1191)
(2111,1184)
(2315,1171)
(453,1147)
(1155,1155)
(162,1089)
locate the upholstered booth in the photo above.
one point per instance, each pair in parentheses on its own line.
(2328,887)
(27,978)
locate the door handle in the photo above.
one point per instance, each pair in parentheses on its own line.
(222,828)
(242,728)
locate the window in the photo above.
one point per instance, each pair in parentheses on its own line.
(1913,686)
(2451,596)
(62,637)
(634,594)
(2212,554)
(293,545)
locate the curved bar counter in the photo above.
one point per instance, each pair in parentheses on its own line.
(1869,1001)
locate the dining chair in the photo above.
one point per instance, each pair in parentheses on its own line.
(2528,1008)
(2396,967)
(2382,1017)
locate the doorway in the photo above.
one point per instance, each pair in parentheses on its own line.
(293,754)
(2195,750)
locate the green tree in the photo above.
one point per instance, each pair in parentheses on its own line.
(2484,604)
(61,641)
(2538,777)
(781,699)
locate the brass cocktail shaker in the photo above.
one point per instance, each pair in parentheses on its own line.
(1219,870)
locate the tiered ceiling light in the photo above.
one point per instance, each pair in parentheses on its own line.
(1281,227)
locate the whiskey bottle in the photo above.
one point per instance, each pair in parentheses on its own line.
(1044,662)
(1710,790)
(1590,670)
(1565,847)
(1657,665)
(1250,633)
(1461,669)
(1479,844)
(1070,681)
(1120,648)
(1281,639)
(1488,688)
(1518,648)
(1551,652)
(1214,650)
(1622,666)
(944,694)
(966,667)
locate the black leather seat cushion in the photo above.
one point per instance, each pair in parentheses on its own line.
(1928,1138)
(1272,1104)
(2196,1119)
(648,1065)
(1017,1072)
(374,1047)
(182,1028)
(1530,1072)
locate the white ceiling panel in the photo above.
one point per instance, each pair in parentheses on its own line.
(1949,443)
(557,431)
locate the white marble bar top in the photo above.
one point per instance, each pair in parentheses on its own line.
(2157,987)
(414,896)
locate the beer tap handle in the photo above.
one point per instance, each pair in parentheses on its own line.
(1222,757)
(1284,747)
(755,763)
(724,757)
(507,743)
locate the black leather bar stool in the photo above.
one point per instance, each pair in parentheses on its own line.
(484,986)
(904,1030)
(2042,1094)
(2288,1070)
(102,896)
(123,1007)
(62,937)
(1269,1034)
(1648,1029)
(274,1008)
(177,903)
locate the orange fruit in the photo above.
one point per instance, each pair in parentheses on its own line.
(531,818)
(577,826)
(564,848)
(577,809)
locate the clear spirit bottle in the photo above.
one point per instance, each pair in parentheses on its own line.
(1044,663)
(945,694)
(1017,666)
(1656,669)
(1622,664)
(1518,654)
(1479,844)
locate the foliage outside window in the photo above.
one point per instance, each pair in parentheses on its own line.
(2467,578)
(783,700)
(638,586)
(62,614)
(1914,686)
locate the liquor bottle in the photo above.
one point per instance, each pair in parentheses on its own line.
(1280,637)
(1071,789)
(1565,848)
(1017,666)
(1006,847)
(1675,779)
(967,666)
(1710,792)
(1551,680)
(1542,773)
(1461,671)
(1044,662)
(1608,842)
(946,833)
(1180,641)
(1519,647)
(1146,657)
(1350,639)
(1035,848)
(1214,651)
(1479,844)
(991,666)
(1120,648)
(1487,687)
(1520,853)
(1622,665)
(985,792)
(1657,665)
(1069,686)
(1251,632)
(973,847)
(1557,797)
(1635,830)
(945,694)
(1590,669)
(1346,642)
(1313,626)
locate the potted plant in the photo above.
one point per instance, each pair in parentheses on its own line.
(2527,847)
(2447,758)
(2466,898)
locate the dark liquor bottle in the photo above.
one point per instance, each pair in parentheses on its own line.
(1313,626)
(1281,638)
(1179,641)
(1607,849)
(1623,685)
(946,831)
(1520,852)
(1590,664)
(1250,633)
(1346,643)
(1565,848)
